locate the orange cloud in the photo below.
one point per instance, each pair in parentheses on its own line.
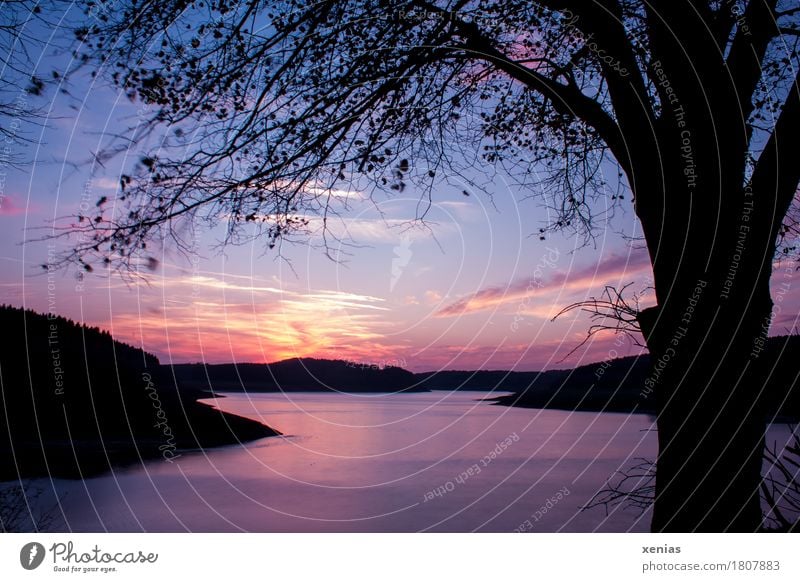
(205,318)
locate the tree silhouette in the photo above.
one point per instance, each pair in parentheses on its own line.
(260,110)
(17,84)
(634,486)
(781,486)
(22,509)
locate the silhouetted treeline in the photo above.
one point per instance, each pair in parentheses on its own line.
(296,374)
(43,335)
(614,386)
(628,384)
(618,385)
(75,402)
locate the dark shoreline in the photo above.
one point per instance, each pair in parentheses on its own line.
(193,426)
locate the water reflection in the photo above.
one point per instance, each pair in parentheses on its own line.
(405,462)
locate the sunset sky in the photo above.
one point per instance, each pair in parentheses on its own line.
(472,288)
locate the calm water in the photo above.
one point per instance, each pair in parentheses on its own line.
(435,461)
(372,463)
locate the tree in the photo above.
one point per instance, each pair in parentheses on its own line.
(781,486)
(18,18)
(634,487)
(21,509)
(270,106)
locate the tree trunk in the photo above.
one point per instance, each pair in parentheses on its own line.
(710,227)
(707,379)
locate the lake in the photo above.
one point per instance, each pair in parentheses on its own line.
(436,461)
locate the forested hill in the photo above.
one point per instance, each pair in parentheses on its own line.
(297,374)
(75,402)
(628,384)
(618,385)
(45,337)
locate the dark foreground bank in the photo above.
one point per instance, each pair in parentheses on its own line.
(76,403)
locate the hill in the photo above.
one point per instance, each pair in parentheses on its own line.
(75,403)
(612,386)
(296,375)
(619,385)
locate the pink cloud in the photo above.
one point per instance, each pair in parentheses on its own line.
(610,271)
(10,205)
(432,296)
(543,354)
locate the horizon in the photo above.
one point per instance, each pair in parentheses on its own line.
(379,365)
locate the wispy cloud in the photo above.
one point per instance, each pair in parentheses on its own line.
(106,183)
(338,193)
(203,317)
(594,277)
(380,230)
(464,211)
(544,354)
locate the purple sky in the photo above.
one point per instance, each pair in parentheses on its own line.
(472,288)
